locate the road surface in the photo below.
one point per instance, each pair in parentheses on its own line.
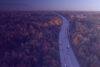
(67,56)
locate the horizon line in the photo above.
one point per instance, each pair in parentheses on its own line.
(50,10)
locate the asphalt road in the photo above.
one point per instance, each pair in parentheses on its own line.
(67,56)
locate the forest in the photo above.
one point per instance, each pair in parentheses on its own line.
(85,37)
(29,39)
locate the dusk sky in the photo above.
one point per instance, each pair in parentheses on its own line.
(28,5)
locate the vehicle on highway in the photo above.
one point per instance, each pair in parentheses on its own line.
(68,46)
(66,65)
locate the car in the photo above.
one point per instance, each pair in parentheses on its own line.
(66,65)
(68,46)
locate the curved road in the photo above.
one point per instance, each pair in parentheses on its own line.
(67,56)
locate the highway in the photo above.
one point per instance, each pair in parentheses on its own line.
(67,57)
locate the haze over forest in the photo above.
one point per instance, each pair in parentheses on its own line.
(30,5)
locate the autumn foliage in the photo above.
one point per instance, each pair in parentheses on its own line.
(85,37)
(29,39)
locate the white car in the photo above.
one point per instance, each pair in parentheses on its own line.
(68,46)
(66,65)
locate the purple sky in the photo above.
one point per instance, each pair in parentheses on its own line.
(50,5)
